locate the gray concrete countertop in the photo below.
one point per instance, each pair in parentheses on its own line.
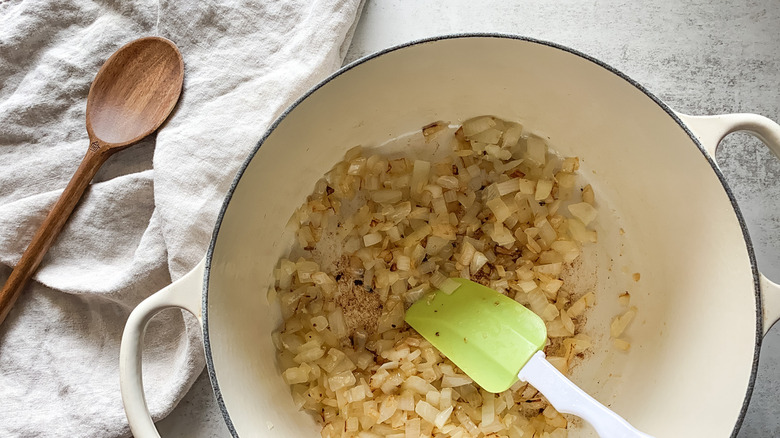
(699,56)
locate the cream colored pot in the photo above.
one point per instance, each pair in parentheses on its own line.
(703,305)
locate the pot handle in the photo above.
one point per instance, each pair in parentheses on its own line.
(184,293)
(710,130)
(770,296)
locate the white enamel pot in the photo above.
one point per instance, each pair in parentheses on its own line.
(703,305)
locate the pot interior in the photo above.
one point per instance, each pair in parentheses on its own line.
(663,211)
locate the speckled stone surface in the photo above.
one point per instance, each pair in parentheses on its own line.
(700,57)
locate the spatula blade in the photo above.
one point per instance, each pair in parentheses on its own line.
(487,335)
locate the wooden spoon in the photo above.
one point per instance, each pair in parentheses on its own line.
(131,96)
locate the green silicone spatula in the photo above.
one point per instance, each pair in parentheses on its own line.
(496,341)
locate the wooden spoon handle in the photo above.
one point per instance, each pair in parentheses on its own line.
(51,226)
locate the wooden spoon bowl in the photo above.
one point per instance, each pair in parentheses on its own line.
(134,92)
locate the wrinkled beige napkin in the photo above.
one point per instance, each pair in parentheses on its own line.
(148,217)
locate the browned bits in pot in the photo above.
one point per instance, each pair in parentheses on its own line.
(432,128)
(360,306)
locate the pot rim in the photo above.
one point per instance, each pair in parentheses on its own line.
(609,68)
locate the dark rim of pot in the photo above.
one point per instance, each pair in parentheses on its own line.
(662,105)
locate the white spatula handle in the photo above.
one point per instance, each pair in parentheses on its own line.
(568,398)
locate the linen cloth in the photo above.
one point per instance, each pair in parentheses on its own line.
(149,214)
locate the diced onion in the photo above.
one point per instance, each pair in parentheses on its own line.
(402,227)
(543,189)
(511,135)
(621,344)
(477,125)
(372,239)
(587,195)
(426,411)
(386,196)
(583,211)
(537,151)
(499,209)
(620,323)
